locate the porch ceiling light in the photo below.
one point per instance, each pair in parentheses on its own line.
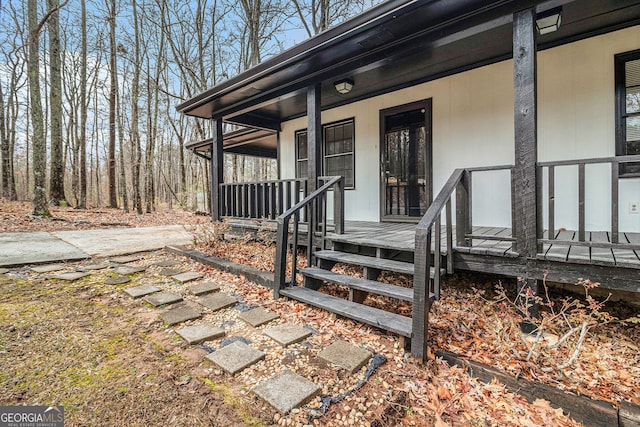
(549,20)
(344,86)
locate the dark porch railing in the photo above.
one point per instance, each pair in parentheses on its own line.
(261,200)
(315,206)
(428,234)
(615,166)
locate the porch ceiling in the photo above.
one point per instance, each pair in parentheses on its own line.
(397,44)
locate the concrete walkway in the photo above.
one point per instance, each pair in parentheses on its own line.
(41,246)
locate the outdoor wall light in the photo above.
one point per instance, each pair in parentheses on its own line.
(344,86)
(549,20)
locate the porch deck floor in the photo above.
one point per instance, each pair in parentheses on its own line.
(401,236)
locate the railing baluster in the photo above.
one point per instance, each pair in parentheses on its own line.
(436,260)
(294,253)
(514,245)
(280,208)
(280,267)
(581,206)
(615,214)
(338,207)
(552,203)
(449,237)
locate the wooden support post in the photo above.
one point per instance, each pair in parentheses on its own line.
(314,137)
(216,169)
(526,145)
(463,210)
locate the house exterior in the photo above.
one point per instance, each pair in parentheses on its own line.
(509,127)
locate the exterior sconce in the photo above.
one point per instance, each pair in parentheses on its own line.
(344,86)
(549,20)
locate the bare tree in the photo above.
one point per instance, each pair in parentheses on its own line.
(111,160)
(56,181)
(39,144)
(82,143)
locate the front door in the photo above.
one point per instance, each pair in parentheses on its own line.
(406,169)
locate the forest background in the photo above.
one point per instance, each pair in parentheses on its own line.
(88,90)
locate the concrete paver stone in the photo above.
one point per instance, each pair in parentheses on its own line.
(187,277)
(204,288)
(180,314)
(142,290)
(125,259)
(286,391)
(96,265)
(4,270)
(258,316)
(48,268)
(169,272)
(345,355)
(117,280)
(217,301)
(125,269)
(196,334)
(162,298)
(235,357)
(287,334)
(71,276)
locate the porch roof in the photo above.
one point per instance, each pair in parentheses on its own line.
(394,45)
(249,141)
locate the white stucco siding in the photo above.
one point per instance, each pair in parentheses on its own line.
(473,125)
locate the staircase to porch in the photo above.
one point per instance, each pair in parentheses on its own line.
(359,288)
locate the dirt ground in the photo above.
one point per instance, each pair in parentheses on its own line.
(110,361)
(16,217)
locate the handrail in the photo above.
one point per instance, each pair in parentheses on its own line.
(314,203)
(459,180)
(594,160)
(582,236)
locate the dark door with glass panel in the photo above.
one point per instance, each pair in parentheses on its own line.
(406,161)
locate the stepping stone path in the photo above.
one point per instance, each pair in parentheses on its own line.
(167,263)
(235,357)
(204,288)
(48,268)
(196,334)
(126,270)
(142,290)
(345,355)
(74,275)
(4,270)
(287,334)
(258,316)
(286,391)
(125,259)
(117,280)
(217,302)
(187,277)
(180,314)
(96,266)
(162,298)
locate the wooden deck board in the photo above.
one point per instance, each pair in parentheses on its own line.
(558,251)
(628,257)
(601,254)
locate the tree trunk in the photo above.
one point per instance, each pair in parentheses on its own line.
(56,177)
(111,161)
(39,144)
(84,106)
(135,133)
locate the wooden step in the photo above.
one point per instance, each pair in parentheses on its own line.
(366,285)
(372,316)
(366,261)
